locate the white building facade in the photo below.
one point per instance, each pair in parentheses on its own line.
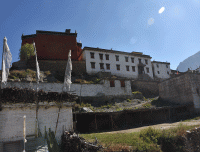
(123,64)
(161,69)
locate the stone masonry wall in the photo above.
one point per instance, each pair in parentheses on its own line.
(148,88)
(78,67)
(177,90)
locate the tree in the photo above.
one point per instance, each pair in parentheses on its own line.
(26,51)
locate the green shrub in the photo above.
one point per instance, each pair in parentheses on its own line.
(128,100)
(136,92)
(147,105)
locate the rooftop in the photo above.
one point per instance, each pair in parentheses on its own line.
(140,54)
(160,62)
(67,32)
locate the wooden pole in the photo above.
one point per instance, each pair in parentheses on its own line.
(95,122)
(58,115)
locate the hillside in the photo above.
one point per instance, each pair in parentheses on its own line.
(191,62)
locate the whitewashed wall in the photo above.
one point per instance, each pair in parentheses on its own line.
(112,61)
(83,90)
(11,121)
(162,69)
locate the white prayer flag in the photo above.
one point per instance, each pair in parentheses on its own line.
(6,64)
(67,79)
(37,64)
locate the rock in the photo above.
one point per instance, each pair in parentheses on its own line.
(86,109)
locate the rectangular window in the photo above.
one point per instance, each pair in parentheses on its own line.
(93,65)
(166,66)
(92,55)
(133,68)
(132,60)
(157,66)
(101,65)
(127,68)
(108,66)
(107,57)
(168,72)
(101,56)
(122,83)
(140,61)
(126,58)
(147,70)
(158,72)
(112,83)
(146,61)
(117,57)
(118,67)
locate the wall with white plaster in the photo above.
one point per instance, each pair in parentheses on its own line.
(84,90)
(162,70)
(112,61)
(11,120)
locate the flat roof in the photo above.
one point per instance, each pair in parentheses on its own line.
(160,62)
(48,33)
(139,54)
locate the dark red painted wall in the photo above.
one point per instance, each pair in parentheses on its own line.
(55,47)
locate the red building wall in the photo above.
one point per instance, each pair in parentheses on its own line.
(55,46)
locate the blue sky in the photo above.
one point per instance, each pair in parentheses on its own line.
(121,25)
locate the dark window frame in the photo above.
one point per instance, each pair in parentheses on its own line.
(147,69)
(133,68)
(92,55)
(100,56)
(112,83)
(146,61)
(122,83)
(140,60)
(92,65)
(107,56)
(127,68)
(107,66)
(118,67)
(117,57)
(101,66)
(126,58)
(132,60)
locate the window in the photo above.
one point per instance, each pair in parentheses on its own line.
(132,60)
(92,55)
(122,83)
(107,57)
(117,57)
(133,68)
(118,67)
(126,58)
(101,56)
(158,72)
(93,65)
(147,70)
(157,66)
(166,66)
(127,68)
(146,61)
(112,83)
(108,66)
(101,66)
(168,72)
(140,61)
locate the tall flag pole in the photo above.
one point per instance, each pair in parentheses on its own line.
(24,132)
(6,61)
(67,79)
(38,78)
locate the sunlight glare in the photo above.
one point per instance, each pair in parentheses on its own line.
(161,10)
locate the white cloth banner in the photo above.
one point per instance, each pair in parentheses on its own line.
(67,79)
(37,64)
(7,59)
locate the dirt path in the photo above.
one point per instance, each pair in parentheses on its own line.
(158,126)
